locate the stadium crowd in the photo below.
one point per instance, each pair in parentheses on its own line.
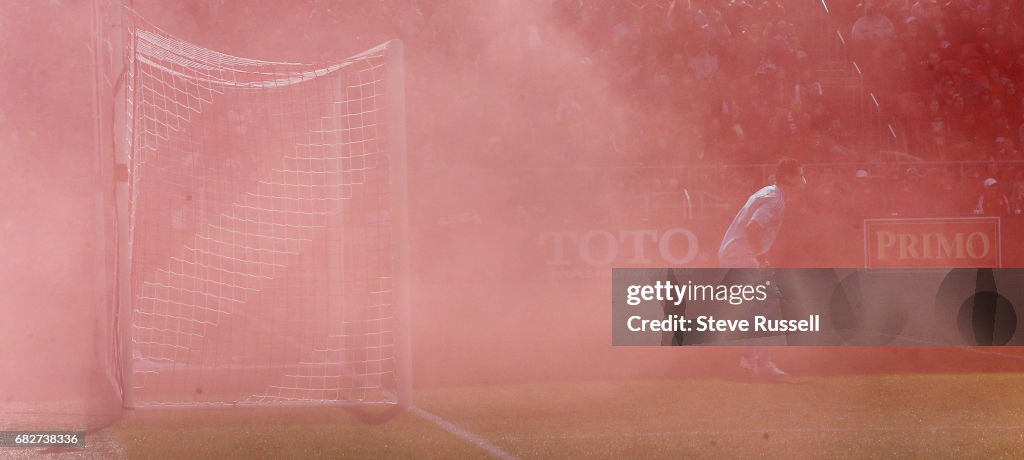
(646,86)
(950,72)
(734,82)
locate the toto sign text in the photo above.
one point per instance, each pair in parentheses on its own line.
(604,248)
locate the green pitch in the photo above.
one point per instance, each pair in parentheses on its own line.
(930,416)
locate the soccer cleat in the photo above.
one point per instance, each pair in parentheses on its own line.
(770,369)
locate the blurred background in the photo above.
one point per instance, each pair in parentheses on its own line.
(549,141)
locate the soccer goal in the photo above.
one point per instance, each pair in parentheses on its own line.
(264,258)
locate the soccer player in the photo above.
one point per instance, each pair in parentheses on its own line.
(751,235)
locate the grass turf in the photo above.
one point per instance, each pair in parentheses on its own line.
(934,416)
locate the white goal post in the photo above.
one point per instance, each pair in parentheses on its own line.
(262,226)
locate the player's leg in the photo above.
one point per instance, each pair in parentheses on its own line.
(765,365)
(755,359)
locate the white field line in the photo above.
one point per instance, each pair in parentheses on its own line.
(463,434)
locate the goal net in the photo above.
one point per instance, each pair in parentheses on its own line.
(266,227)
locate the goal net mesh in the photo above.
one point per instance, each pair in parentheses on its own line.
(262,251)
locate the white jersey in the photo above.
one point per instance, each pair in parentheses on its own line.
(765,207)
